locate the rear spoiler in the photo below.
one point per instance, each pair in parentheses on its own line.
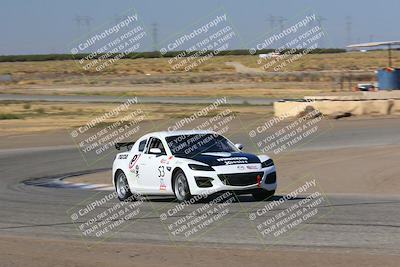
(128,145)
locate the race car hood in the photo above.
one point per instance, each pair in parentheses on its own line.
(222,158)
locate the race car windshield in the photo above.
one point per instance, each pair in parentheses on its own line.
(199,143)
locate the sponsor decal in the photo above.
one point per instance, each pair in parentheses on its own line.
(234,160)
(137,171)
(163,186)
(166,161)
(252,167)
(133,161)
(123,156)
(240,167)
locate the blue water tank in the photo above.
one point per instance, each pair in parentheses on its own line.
(389,79)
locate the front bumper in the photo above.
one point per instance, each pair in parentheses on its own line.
(217,182)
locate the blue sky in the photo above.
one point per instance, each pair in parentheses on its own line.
(49,26)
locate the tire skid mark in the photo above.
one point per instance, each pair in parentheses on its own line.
(58,181)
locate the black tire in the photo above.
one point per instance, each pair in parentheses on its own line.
(122,186)
(263,194)
(181,187)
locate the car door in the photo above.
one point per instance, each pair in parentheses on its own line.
(135,156)
(152,169)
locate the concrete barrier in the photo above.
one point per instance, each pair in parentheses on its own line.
(380,95)
(328,107)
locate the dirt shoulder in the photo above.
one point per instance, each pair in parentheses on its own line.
(23,251)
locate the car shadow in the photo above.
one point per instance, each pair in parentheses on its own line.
(238,199)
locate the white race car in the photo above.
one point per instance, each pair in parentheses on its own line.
(188,163)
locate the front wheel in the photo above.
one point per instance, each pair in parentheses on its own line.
(181,187)
(263,194)
(122,186)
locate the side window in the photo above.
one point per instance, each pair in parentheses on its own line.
(155,143)
(142,145)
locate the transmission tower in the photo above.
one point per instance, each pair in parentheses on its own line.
(155,36)
(349,26)
(118,19)
(320,20)
(83,21)
(281,21)
(271,19)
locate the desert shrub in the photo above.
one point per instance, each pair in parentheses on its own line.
(9,116)
(40,110)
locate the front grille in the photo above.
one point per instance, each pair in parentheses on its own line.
(241,179)
(271,178)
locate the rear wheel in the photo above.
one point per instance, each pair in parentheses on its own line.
(181,187)
(263,194)
(122,186)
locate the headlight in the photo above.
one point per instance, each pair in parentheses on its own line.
(200,167)
(267,163)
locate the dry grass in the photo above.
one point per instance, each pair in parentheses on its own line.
(266,89)
(214,78)
(120,67)
(340,61)
(48,116)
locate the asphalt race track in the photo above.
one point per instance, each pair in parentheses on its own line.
(142,99)
(347,221)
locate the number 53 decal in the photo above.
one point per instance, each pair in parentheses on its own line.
(161,171)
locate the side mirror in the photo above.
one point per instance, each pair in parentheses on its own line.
(239,146)
(155,150)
